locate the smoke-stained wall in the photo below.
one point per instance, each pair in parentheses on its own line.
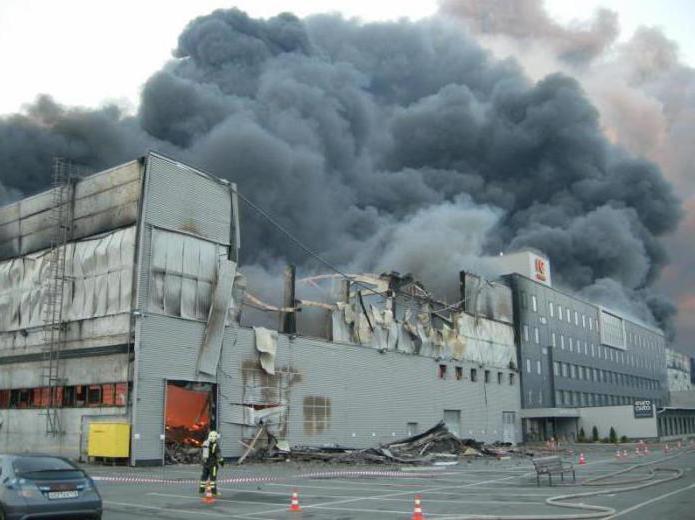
(392,145)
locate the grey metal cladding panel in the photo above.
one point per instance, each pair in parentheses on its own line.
(168,349)
(106,180)
(103,201)
(374,396)
(143,269)
(180,198)
(149,422)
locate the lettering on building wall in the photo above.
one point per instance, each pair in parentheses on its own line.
(643,409)
(540,270)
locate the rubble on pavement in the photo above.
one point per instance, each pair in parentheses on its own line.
(436,446)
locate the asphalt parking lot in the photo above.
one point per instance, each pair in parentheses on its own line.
(468,490)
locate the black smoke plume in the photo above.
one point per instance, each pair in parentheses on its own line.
(384,146)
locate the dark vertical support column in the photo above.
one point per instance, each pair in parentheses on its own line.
(288,320)
(345,291)
(462,287)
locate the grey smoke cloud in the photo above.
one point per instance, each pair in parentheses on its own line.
(384,146)
(645,96)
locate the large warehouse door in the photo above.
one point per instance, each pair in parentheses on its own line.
(190,413)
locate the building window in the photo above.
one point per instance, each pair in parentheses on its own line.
(568,314)
(317,414)
(441,372)
(486,375)
(551,310)
(576,318)
(584,321)
(559,312)
(499,378)
(511,378)
(534,303)
(573,371)
(459,373)
(591,323)
(474,375)
(525,329)
(524,303)
(556,368)
(536,335)
(564,369)
(94,395)
(562,342)
(528,365)
(538,367)
(553,339)
(78,396)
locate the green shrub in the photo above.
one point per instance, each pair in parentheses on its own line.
(581,437)
(594,434)
(612,436)
(623,439)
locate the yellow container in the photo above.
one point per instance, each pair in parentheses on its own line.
(109,440)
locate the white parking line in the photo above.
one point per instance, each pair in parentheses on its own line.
(217,499)
(375,497)
(171,510)
(389,495)
(650,501)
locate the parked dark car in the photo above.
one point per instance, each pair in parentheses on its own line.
(45,487)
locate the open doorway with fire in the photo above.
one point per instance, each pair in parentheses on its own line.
(190,413)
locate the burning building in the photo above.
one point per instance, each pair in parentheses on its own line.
(121,299)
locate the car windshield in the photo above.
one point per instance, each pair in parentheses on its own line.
(45,468)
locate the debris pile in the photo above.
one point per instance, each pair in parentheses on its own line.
(182,445)
(436,446)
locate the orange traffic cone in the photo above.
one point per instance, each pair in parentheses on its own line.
(624,454)
(666,448)
(582,460)
(294,503)
(618,455)
(208,497)
(646,449)
(417,511)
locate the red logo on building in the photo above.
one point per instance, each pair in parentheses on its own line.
(540,270)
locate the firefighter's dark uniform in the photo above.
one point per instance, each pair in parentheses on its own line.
(210,465)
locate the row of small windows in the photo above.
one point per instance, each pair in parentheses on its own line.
(584,321)
(637,340)
(598,351)
(582,373)
(77,396)
(442,371)
(572,398)
(562,314)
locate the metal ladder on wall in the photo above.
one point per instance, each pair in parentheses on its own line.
(53,294)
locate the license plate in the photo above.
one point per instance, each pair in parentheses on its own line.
(54,495)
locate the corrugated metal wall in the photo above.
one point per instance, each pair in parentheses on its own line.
(180,199)
(335,393)
(369,396)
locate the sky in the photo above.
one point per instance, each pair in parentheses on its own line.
(86,52)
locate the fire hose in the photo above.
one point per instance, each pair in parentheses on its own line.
(593,511)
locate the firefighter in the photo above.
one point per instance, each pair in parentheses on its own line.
(212,460)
